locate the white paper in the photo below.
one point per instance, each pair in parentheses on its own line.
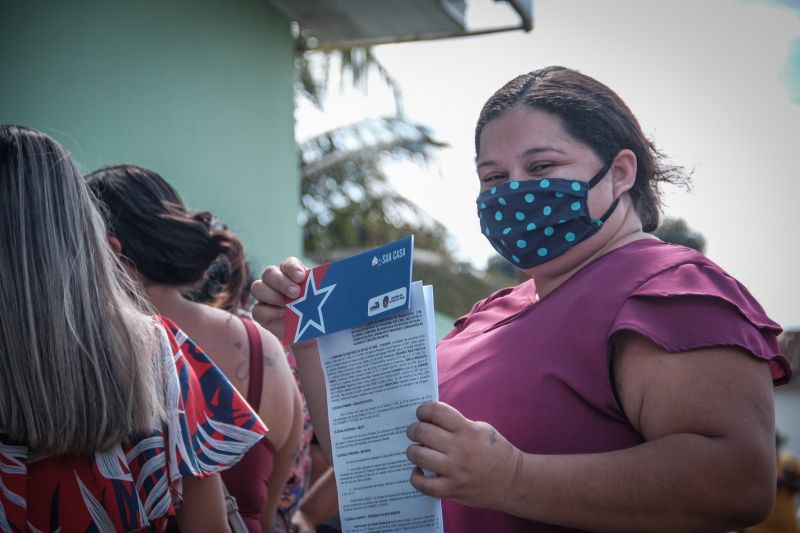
(376,377)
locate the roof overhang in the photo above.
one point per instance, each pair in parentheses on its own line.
(348,23)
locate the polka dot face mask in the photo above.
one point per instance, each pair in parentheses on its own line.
(533,221)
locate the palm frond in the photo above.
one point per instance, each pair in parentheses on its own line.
(313,70)
(366,142)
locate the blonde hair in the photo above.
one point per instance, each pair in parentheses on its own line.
(79,361)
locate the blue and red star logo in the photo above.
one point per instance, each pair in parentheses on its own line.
(308,307)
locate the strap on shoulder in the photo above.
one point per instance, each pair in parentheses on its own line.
(256,364)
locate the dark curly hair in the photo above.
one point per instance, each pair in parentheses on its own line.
(160,238)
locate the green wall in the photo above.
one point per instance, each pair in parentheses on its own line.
(200,91)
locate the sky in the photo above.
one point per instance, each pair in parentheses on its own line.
(716,85)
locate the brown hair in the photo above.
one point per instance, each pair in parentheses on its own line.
(596,116)
(160,238)
(80,367)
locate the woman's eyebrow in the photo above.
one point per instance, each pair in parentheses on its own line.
(529,151)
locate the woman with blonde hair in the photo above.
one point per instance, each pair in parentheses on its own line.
(106,418)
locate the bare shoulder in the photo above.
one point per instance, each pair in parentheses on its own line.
(219,333)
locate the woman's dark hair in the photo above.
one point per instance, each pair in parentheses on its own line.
(225,284)
(160,238)
(596,116)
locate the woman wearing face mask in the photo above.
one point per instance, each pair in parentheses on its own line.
(627,386)
(111,419)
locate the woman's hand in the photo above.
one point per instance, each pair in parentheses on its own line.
(301,523)
(277,285)
(475,465)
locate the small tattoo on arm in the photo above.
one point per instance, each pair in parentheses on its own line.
(268,362)
(243,371)
(492,436)
(237,344)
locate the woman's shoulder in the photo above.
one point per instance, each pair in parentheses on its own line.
(686,301)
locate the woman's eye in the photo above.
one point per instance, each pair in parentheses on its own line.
(492,177)
(538,168)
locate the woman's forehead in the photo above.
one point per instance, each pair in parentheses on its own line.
(523,131)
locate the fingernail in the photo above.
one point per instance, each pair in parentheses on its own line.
(294,290)
(299,274)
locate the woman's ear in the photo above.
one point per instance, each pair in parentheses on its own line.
(623,172)
(115,245)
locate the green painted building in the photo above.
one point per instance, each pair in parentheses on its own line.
(199,91)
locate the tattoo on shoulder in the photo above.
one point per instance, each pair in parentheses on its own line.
(268,362)
(243,371)
(492,436)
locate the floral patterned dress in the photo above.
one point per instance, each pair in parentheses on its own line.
(136,484)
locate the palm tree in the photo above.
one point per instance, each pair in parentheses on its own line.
(347,201)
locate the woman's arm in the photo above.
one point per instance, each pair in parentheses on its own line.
(203,506)
(281,410)
(320,503)
(707,465)
(271,292)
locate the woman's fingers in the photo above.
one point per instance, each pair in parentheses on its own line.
(294,269)
(270,317)
(277,280)
(436,486)
(265,294)
(428,435)
(427,458)
(442,415)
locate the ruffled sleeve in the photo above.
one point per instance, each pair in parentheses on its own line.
(698,305)
(209,425)
(136,484)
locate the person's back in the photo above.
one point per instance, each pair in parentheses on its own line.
(225,337)
(100,406)
(169,249)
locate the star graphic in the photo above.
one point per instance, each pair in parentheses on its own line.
(308,307)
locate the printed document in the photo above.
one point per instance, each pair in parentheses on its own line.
(377,374)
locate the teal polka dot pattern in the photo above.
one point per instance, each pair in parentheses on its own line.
(532,221)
